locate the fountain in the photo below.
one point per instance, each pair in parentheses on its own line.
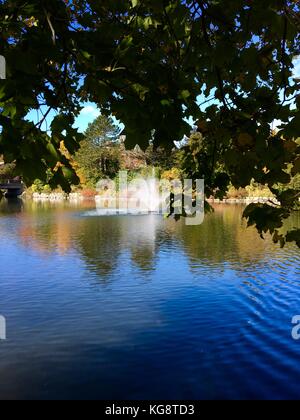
(139,196)
(144,196)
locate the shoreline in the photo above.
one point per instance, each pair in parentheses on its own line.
(77,197)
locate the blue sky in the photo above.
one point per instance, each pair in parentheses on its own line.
(297,67)
(88,114)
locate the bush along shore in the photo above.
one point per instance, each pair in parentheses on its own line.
(248,200)
(93,196)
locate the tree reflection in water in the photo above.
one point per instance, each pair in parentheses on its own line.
(103,242)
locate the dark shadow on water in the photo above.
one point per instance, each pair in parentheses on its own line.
(11,205)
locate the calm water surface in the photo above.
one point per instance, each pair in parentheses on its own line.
(145,308)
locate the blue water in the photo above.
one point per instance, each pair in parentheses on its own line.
(145,308)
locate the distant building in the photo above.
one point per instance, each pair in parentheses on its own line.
(131,160)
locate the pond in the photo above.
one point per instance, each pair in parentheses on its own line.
(140,307)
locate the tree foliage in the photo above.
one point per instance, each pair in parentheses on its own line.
(151,63)
(102,131)
(7,172)
(99,153)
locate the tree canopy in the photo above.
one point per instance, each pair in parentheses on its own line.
(153,64)
(102,130)
(99,153)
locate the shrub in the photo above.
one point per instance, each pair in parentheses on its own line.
(47,189)
(88,193)
(172,174)
(37,187)
(237,193)
(7,171)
